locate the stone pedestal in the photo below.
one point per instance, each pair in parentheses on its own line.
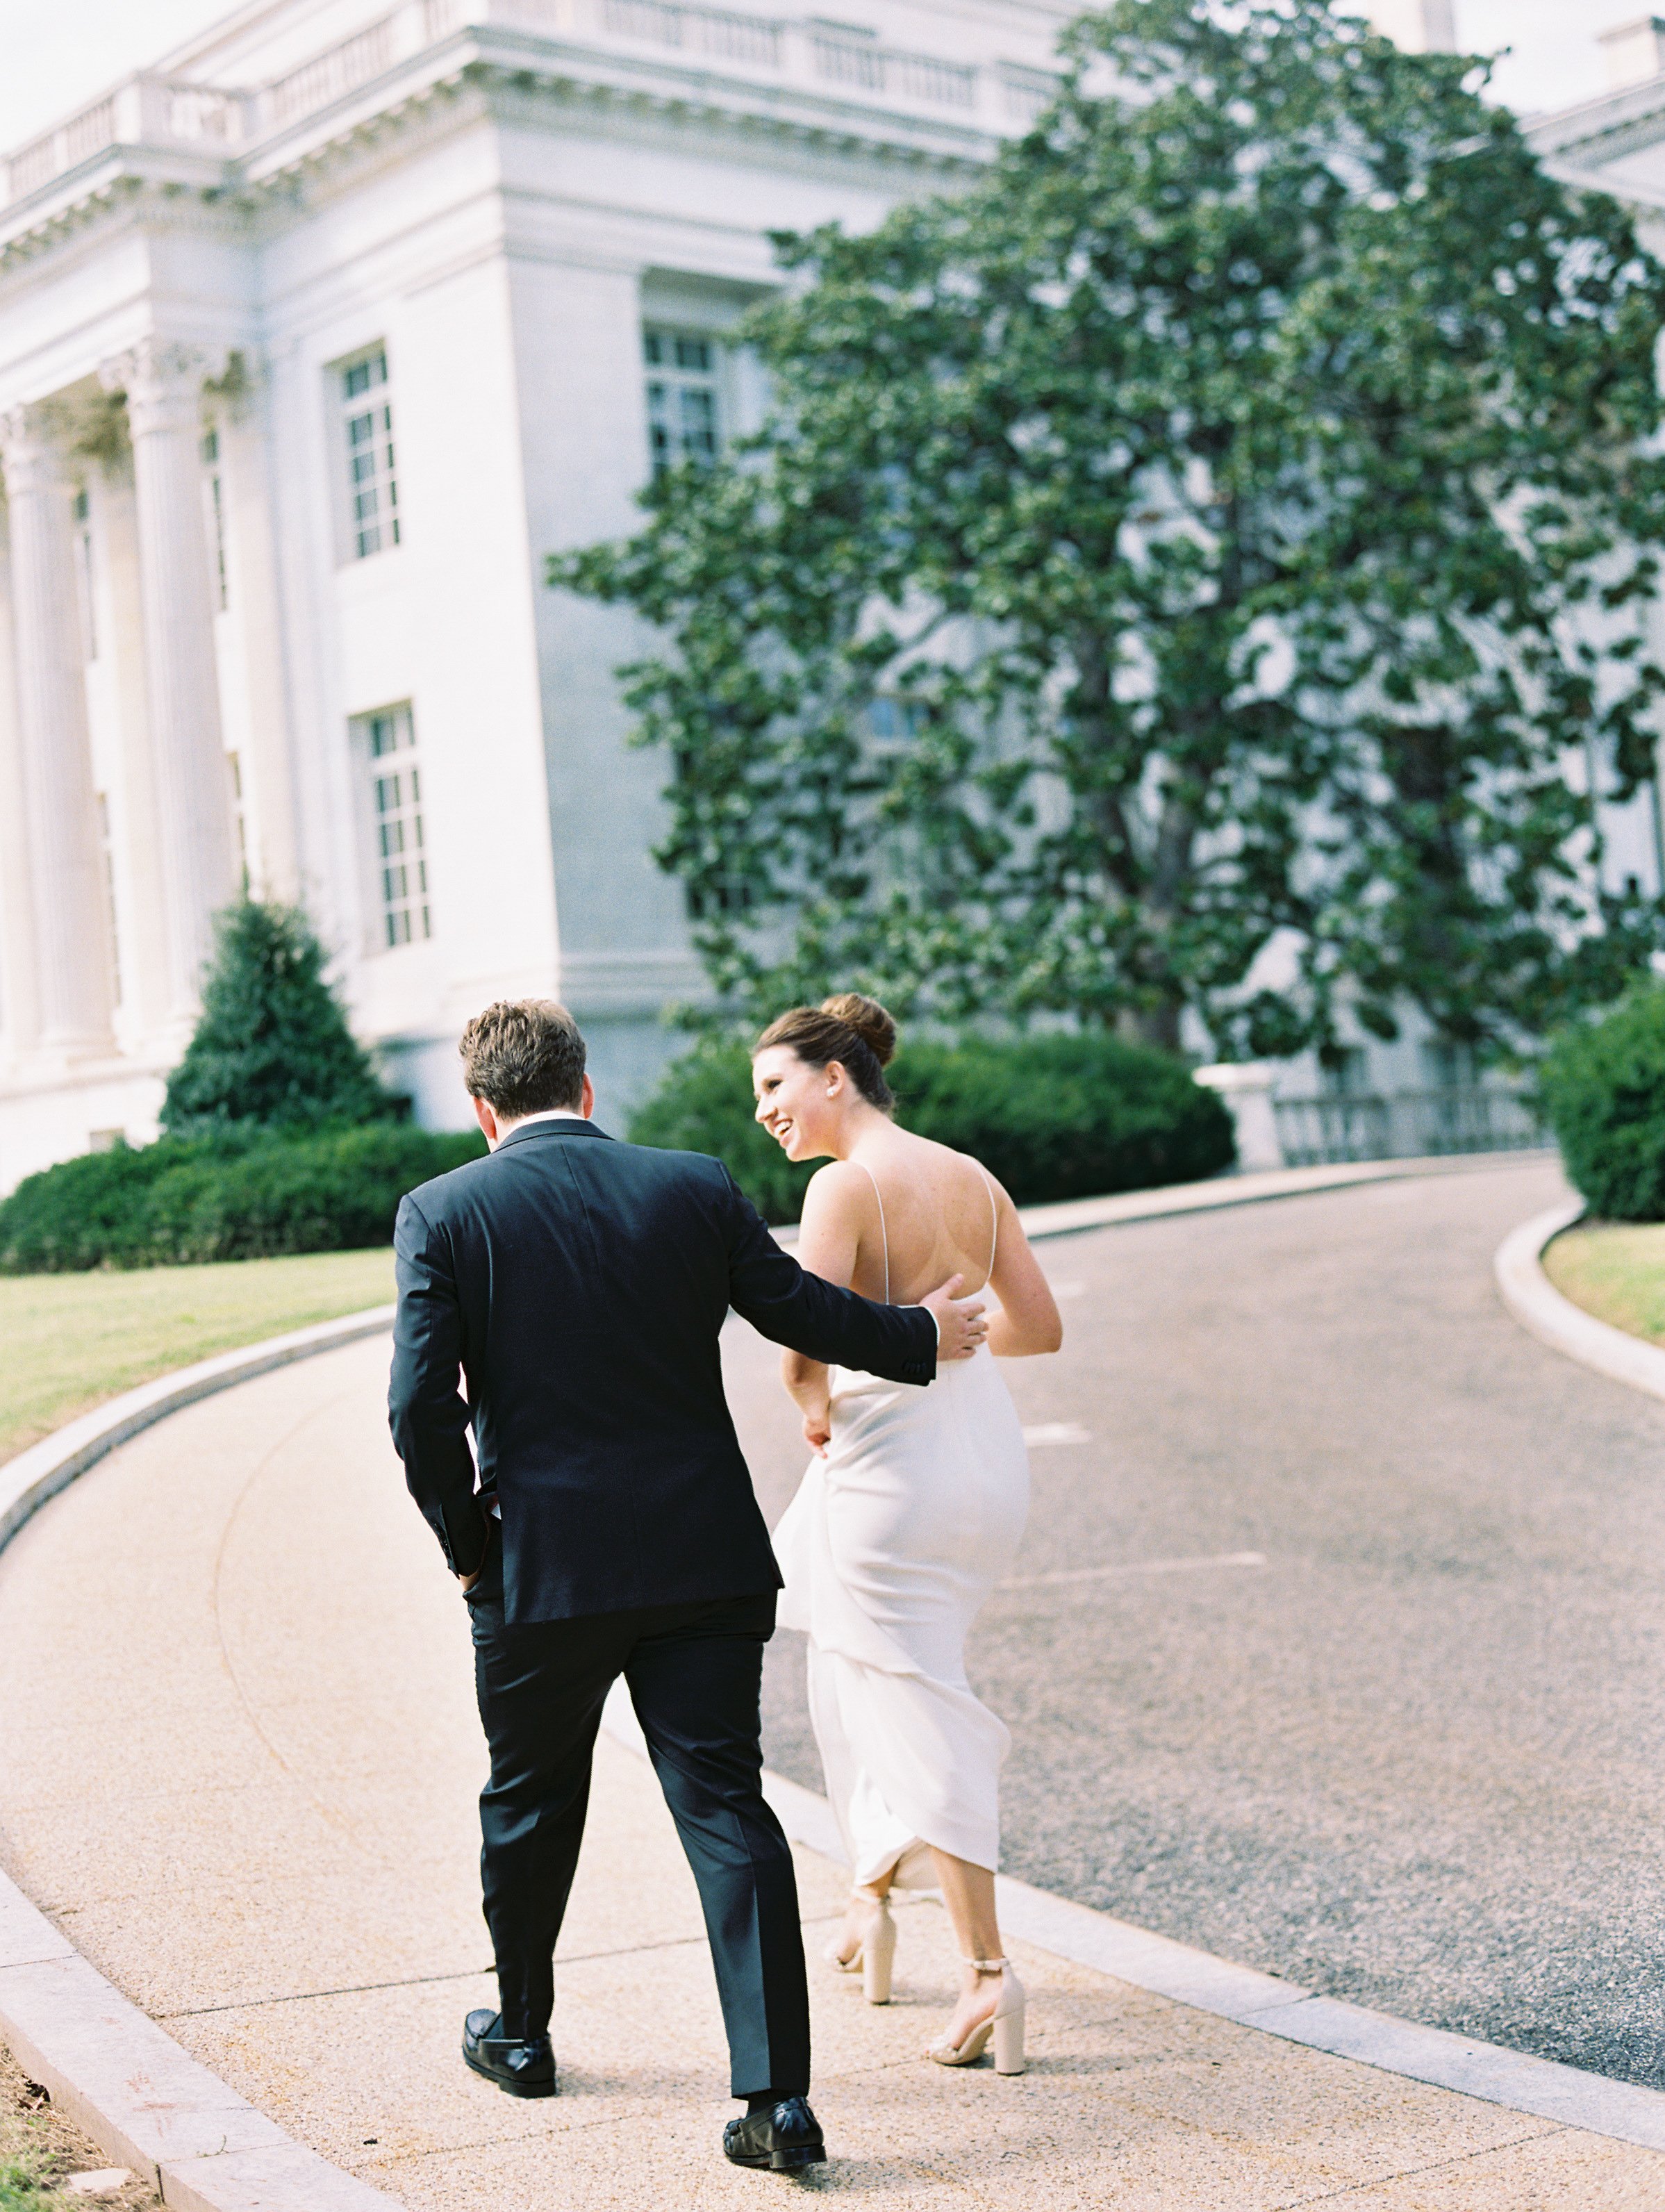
(1246,1087)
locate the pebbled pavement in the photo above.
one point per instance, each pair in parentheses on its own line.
(1416,1759)
(238,1759)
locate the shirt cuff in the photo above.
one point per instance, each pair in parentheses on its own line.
(936,1325)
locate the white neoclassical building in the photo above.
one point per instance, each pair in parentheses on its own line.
(314,340)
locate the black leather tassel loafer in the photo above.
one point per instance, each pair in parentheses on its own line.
(783,2138)
(524,2069)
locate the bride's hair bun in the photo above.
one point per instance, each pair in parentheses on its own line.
(857,1032)
(868,1019)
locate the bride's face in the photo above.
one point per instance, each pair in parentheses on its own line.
(800,1106)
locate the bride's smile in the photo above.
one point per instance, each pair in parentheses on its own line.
(802,1108)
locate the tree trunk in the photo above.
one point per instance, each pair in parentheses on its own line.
(1157,1025)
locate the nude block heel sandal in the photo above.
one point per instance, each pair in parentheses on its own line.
(1004,2026)
(878,1953)
(875,1952)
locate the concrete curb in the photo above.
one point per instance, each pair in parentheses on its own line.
(123,2080)
(1089,1938)
(1072,1215)
(1536,1304)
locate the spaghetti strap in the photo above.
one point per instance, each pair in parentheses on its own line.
(884,1233)
(994,1219)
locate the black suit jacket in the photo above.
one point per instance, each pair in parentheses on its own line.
(578,1286)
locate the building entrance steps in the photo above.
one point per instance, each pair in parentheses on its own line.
(241,1770)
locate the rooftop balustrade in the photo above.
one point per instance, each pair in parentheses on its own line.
(152,110)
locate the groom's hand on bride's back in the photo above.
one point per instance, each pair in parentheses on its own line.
(961,1323)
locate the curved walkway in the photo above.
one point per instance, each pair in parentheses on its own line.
(241,1759)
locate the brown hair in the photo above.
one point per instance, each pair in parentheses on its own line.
(857,1032)
(524,1056)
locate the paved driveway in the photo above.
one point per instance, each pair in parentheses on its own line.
(1415,1758)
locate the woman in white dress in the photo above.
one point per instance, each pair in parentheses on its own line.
(913,1506)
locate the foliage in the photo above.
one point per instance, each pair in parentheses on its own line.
(1604,1087)
(1063,1116)
(237,1196)
(271,1047)
(1207,534)
(1055,1116)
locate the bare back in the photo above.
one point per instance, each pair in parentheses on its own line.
(920,1213)
(897,1218)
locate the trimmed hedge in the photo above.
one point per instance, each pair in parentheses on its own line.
(1604,1089)
(704,1104)
(234,1196)
(1052,1117)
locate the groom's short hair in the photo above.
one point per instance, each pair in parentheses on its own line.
(524,1056)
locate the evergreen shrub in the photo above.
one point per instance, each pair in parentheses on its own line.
(237,1195)
(1603,1087)
(1054,1117)
(271,1046)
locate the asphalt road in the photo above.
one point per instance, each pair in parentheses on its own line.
(1417,1759)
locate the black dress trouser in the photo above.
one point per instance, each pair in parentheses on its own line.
(695,1675)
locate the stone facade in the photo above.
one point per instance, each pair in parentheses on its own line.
(313,341)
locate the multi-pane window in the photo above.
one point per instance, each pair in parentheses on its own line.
(372,513)
(239,816)
(389,741)
(106,846)
(214,500)
(84,542)
(891,723)
(684,418)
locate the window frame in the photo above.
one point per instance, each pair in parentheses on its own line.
(214,514)
(386,524)
(402,757)
(713,379)
(80,512)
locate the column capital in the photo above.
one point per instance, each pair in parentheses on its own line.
(163,380)
(34,449)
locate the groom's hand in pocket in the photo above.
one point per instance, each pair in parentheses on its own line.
(962,1325)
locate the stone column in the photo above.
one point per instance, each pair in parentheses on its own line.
(66,876)
(163,386)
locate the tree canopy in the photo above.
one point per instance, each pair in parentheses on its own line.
(1216,528)
(271,1047)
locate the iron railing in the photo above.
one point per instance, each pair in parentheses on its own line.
(1408,1125)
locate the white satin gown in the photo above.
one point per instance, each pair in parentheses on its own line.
(889,1550)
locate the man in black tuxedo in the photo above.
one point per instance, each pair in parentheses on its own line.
(576,1287)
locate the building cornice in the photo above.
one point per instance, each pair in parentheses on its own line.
(213,145)
(563,76)
(1601,129)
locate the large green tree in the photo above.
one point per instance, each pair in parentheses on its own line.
(1228,519)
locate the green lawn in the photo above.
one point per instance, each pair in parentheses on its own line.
(1616,1270)
(73,1341)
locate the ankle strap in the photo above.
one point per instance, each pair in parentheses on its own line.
(988,1966)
